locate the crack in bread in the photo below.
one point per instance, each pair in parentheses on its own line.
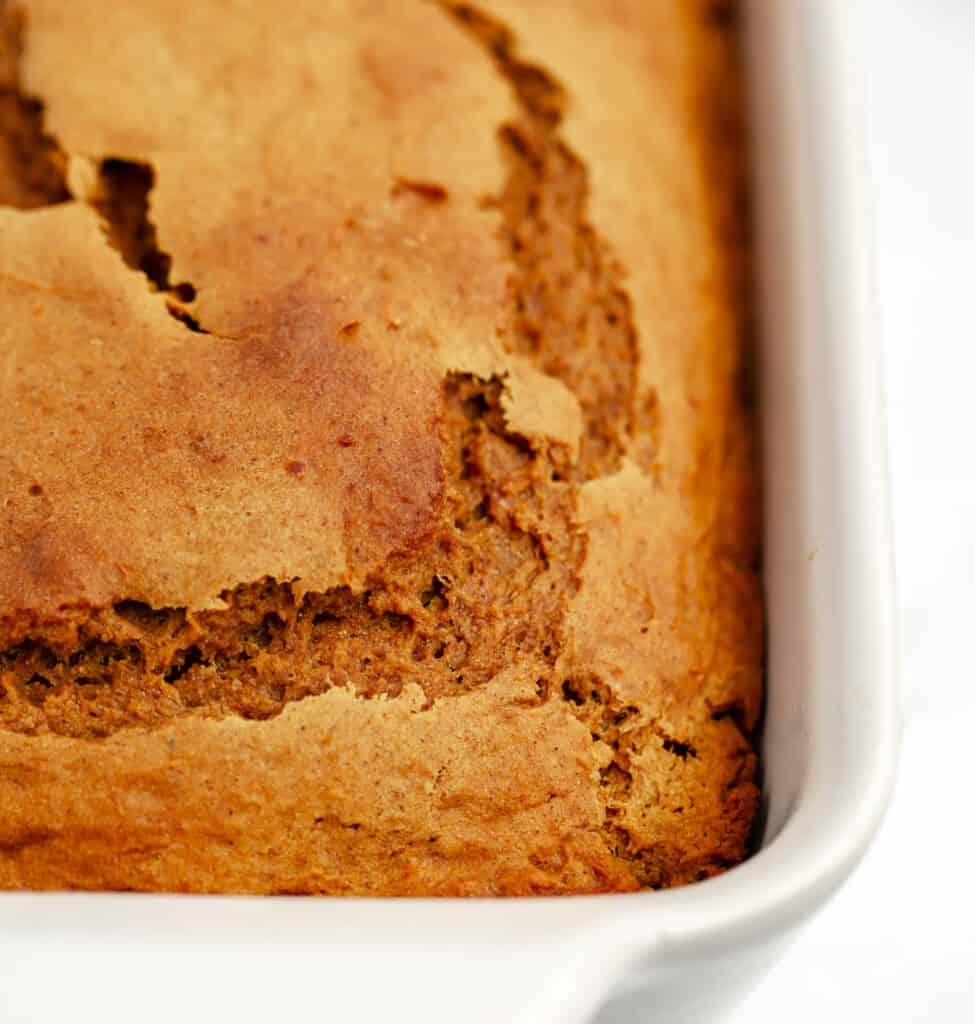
(572,314)
(488,589)
(32,166)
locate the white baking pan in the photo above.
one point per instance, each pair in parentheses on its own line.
(830,734)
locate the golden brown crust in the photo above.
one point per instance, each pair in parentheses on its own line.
(237,806)
(378,497)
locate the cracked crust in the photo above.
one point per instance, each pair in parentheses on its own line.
(378,505)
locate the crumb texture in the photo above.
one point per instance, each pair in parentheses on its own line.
(378,497)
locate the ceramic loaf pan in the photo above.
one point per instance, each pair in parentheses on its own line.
(830,732)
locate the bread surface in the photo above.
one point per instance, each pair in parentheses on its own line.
(378,504)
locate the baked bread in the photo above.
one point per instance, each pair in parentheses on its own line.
(378,510)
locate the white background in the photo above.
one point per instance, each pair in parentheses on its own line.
(897,944)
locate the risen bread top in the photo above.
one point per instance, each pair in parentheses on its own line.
(377,499)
